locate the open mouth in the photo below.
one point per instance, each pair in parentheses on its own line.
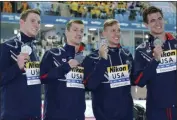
(116,38)
(78,38)
(158,27)
(35,30)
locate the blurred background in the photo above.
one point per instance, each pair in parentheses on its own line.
(55,15)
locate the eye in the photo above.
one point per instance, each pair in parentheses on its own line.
(160,18)
(113,30)
(39,22)
(118,30)
(32,20)
(153,20)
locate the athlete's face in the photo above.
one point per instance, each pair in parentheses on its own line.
(112,34)
(155,23)
(31,25)
(75,33)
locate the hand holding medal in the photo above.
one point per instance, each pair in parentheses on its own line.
(157,51)
(24,57)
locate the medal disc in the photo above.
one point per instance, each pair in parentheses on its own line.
(26,49)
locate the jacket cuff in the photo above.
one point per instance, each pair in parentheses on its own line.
(66,67)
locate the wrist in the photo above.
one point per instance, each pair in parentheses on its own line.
(104,57)
(157,59)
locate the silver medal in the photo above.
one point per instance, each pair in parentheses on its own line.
(26,49)
(157,41)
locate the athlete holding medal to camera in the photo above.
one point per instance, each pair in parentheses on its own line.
(19,72)
(155,67)
(108,75)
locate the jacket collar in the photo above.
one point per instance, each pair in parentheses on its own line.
(169,36)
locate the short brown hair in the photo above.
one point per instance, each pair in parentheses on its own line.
(25,13)
(109,22)
(150,10)
(68,25)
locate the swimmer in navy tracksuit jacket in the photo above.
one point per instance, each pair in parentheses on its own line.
(64,93)
(155,67)
(161,85)
(19,101)
(110,87)
(20,97)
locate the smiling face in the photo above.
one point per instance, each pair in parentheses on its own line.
(30,25)
(112,34)
(155,23)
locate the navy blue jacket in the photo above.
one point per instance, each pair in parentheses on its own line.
(61,102)
(161,87)
(18,100)
(109,103)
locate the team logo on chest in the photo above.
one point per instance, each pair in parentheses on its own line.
(64,59)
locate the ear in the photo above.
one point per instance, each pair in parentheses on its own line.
(104,33)
(22,22)
(146,25)
(66,31)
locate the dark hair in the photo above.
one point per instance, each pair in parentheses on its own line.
(68,25)
(150,10)
(25,13)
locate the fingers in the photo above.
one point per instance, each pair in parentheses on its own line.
(25,56)
(104,48)
(157,52)
(103,51)
(26,60)
(73,63)
(158,49)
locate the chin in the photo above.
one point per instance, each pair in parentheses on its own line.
(33,35)
(116,42)
(77,43)
(159,32)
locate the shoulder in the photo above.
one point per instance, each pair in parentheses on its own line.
(143,46)
(53,52)
(56,51)
(125,51)
(11,42)
(94,55)
(174,42)
(144,51)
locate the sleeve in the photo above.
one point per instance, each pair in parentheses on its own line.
(49,72)
(8,70)
(144,70)
(131,66)
(94,72)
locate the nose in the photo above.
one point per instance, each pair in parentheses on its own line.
(79,33)
(117,33)
(157,22)
(37,25)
